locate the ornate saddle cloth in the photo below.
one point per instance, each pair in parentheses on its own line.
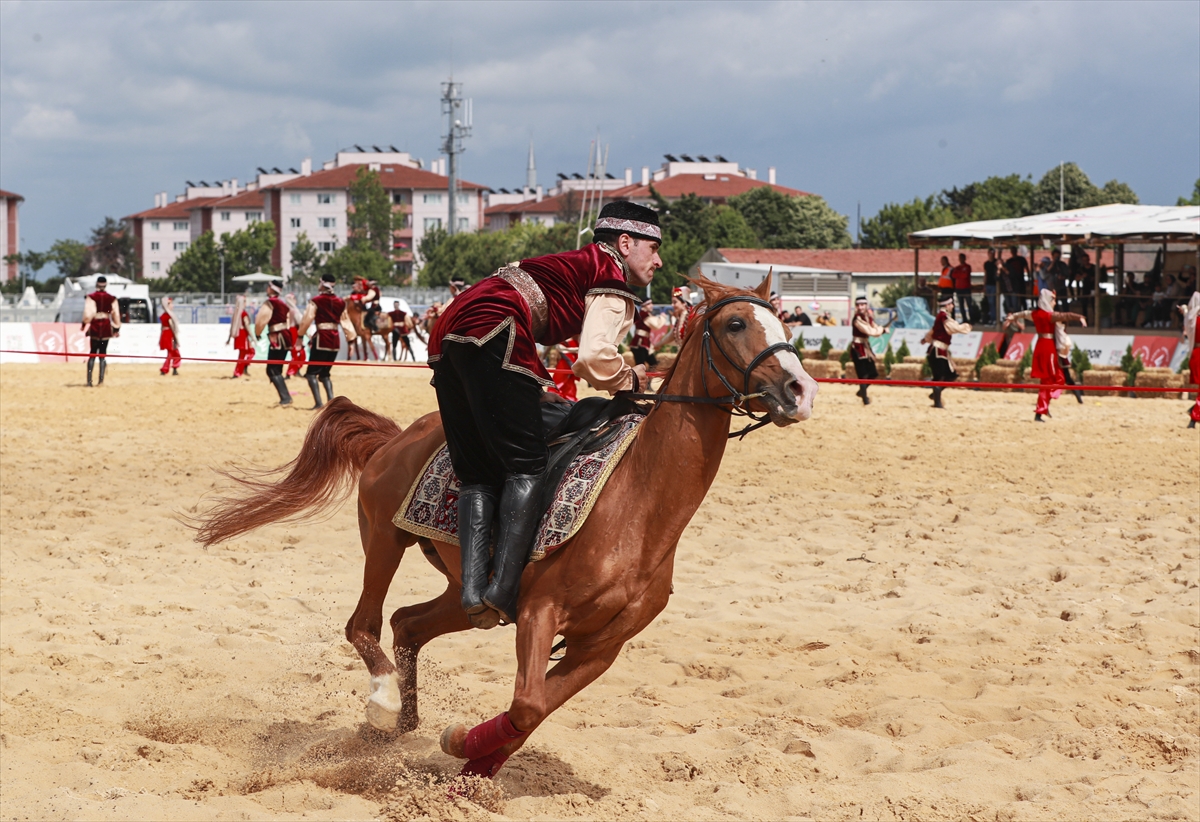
(431,507)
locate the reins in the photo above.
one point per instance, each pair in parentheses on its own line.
(736,400)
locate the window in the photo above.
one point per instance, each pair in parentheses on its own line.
(295,222)
(432,199)
(403,220)
(154,245)
(156,266)
(463,224)
(253,216)
(180,226)
(226,216)
(327,246)
(325,199)
(293,246)
(397,198)
(294,199)
(181,246)
(154,226)
(432,223)
(464,199)
(327,222)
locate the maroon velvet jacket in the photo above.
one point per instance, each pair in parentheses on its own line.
(329,312)
(101,326)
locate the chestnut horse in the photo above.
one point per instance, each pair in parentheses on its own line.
(363,348)
(599,590)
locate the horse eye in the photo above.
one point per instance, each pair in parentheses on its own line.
(737,324)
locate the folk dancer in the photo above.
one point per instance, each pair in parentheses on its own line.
(328,311)
(560,359)
(777,303)
(1062,347)
(1045,354)
(399,319)
(1191,337)
(101,322)
(295,338)
(938,353)
(863,328)
(275,318)
(681,311)
(457,286)
(640,345)
(489,383)
(241,334)
(168,338)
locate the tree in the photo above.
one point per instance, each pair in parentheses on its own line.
(114,248)
(199,267)
(72,257)
(474,256)
(30,263)
(1114,191)
(1077,191)
(1195,197)
(890,294)
(370,221)
(352,261)
(996,198)
(306,260)
(817,225)
(782,221)
(895,221)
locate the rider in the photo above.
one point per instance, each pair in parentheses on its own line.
(328,311)
(864,327)
(367,292)
(101,322)
(276,317)
(489,383)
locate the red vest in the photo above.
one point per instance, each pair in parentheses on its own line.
(1045,352)
(166,337)
(941,335)
(329,314)
(280,319)
(101,326)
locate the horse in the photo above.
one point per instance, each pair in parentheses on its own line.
(597,591)
(363,347)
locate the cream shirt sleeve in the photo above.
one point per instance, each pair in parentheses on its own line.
(262,319)
(606,320)
(955,327)
(310,314)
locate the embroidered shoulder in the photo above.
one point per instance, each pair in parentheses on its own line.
(616,257)
(620,292)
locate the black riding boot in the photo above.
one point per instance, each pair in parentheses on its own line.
(519,515)
(937,398)
(91,364)
(476,510)
(103,366)
(285,397)
(315,388)
(327,381)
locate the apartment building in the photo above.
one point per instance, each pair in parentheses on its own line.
(10,231)
(164,232)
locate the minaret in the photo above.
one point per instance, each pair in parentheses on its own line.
(531,171)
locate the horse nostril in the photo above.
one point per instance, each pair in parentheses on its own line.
(797,390)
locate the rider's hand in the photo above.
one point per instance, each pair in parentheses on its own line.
(551,396)
(643,380)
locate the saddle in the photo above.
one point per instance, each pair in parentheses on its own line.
(574,428)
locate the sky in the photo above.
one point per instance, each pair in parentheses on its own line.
(102,104)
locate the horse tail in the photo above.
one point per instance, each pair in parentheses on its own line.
(340,441)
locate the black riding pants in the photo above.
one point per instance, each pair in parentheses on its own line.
(942,368)
(492,416)
(99,345)
(318,361)
(280,354)
(865,368)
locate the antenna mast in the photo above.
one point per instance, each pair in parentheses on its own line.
(458,125)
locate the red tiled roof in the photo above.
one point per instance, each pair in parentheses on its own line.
(10,195)
(391,176)
(548,205)
(174,209)
(247,199)
(855,260)
(723,187)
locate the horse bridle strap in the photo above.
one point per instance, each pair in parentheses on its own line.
(736,399)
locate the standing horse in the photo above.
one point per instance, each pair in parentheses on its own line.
(601,588)
(363,347)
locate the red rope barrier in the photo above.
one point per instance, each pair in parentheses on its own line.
(1003,386)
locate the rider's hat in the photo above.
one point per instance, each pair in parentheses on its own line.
(630,218)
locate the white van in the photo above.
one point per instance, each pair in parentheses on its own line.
(133,298)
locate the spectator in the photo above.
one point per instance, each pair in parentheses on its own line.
(826,319)
(1042,278)
(945,282)
(1060,280)
(990,281)
(961,275)
(798,317)
(777,304)
(1017,268)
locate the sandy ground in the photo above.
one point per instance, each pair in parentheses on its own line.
(885,613)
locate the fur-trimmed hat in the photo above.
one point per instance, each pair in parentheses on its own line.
(630,218)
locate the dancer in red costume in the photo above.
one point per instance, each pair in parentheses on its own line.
(1045,353)
(241,334)
(561,361)
(1191,336)
(168,338)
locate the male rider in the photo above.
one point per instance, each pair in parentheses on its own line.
(101,322)
(489,382)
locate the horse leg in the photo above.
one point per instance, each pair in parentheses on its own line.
(384,546)
(412,628)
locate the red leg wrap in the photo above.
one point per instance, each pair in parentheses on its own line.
(487,766)
(488,736)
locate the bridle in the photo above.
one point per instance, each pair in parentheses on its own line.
(736,400)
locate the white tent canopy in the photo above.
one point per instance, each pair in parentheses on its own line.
(256,277)
(1098,225)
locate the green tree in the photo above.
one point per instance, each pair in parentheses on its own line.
(1195,197)
(114,249)
(199,267)
(72,258)
(890,294)
(306,260)
(351,261)
(781,221)
(1077,191)
(895,221)
(370,220)
(995,198)
(30,263)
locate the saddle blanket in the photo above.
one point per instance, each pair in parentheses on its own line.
(431,507)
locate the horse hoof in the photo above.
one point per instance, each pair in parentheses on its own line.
(454,738)
(381,718)
(485,619)
(383,706)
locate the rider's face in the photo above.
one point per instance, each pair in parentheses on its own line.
(642,258)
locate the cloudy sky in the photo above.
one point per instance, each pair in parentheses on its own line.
(103,104)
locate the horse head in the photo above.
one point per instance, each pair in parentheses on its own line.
(747,345)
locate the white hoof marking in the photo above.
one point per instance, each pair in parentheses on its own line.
(383,705)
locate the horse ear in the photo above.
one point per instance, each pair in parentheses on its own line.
(764,288)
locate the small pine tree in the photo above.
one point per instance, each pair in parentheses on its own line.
(1132,366)
(903,351)
(845,358)
(1024,365)
(1080,361)
(889,359)
(826,347)
(989,356)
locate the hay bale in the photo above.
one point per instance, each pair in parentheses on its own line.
(823,369)
(1010,364)
(1158,378)
(906,371)
(810,353)
(997,373)
(1094,376)
(1106,368)
(965,367)
(851,373)
(914,359)
(835,353)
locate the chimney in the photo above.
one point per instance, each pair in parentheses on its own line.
(539,194)
(306,167)
(233,183)
(752,174)
(629,176)
(771,175)
(645,175)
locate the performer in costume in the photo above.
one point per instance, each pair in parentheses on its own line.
(1045,354)
(296,339)
(399,319)
(367,292)
(101,322)
(681,311)
(561,359)
(863,328)
(640,346)
(938,354)
(241,334)
(1063,346)
(1191,337)
(489,383)
(275,317)
(328,311)
(168,338)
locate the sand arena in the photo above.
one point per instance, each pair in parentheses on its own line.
(883,613)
